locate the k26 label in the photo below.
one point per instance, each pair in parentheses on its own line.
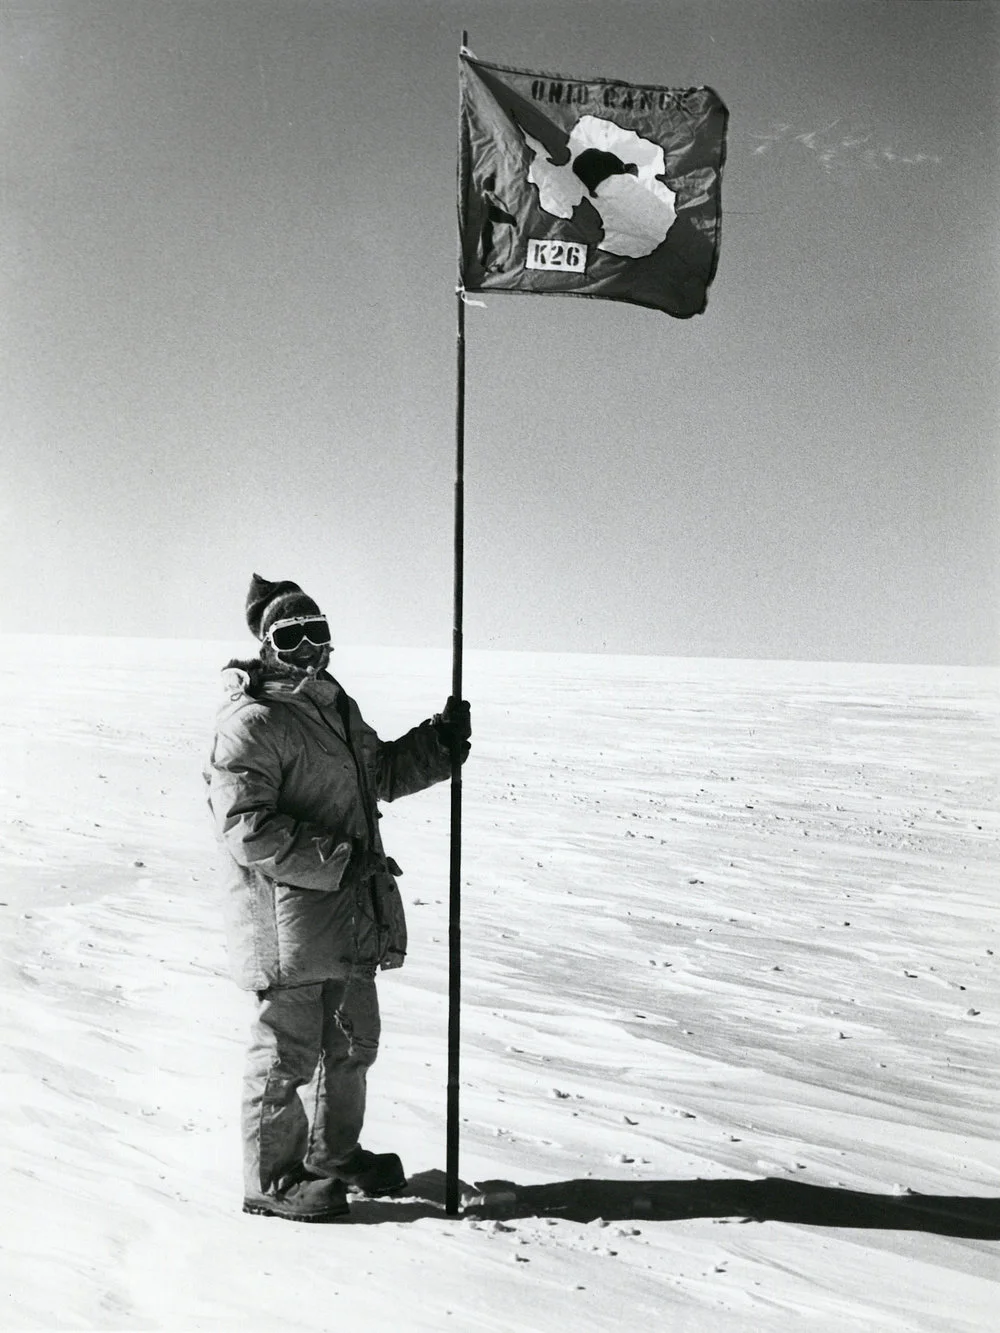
(564,256)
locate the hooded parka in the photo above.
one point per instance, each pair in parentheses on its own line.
(294,778)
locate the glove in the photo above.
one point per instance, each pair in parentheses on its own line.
(457,714)
(454,724)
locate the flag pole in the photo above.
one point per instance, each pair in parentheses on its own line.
(455,890)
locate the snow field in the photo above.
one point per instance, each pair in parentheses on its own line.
(730,996)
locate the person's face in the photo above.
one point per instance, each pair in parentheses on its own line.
(305,656)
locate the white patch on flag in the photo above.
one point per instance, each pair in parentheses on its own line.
(565,256)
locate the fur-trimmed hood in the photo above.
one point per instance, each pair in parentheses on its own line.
(244,676)
(253,678)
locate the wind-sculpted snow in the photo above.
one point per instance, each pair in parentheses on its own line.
(730,1017)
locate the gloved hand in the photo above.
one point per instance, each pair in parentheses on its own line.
(454,724)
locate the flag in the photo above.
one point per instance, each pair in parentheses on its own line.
(589,187)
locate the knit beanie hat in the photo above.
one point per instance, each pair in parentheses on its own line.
(268,602)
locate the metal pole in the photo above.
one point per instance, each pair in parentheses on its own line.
(455,892)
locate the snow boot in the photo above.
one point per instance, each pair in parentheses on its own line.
(301,1196)
(372,1173)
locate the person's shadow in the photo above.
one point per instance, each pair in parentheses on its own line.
(767,1200)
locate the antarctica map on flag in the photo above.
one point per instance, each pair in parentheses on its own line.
(589,187)
(617,172)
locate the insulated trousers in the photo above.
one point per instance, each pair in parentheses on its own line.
(325,1036)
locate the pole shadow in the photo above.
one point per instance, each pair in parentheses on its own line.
(766,1200)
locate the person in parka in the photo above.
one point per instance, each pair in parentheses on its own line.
(312,908)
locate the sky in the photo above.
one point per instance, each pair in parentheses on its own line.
(227,329)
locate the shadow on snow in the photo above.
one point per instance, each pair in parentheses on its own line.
(768,1200)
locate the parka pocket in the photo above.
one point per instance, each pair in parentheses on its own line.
(390,919)
(315,932)
(335,862)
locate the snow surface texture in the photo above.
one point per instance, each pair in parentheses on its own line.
(730,1009)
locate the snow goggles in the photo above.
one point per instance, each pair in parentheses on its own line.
(287,635)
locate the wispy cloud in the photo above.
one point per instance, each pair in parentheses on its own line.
(834,144)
